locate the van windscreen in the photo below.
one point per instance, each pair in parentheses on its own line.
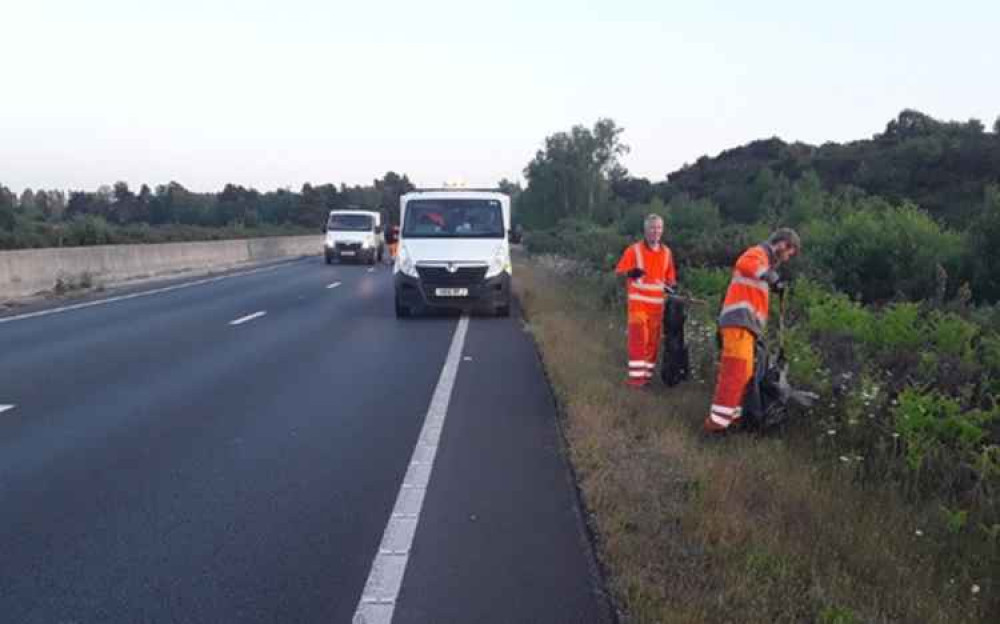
(453,218)
(350,223)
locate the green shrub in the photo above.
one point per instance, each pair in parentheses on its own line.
(930,423)
(836,313)
(896,328)
(951,334)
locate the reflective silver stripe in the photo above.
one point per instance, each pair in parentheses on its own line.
(743,305)
(752,283)
(656,300)
(637,362)
(722,421)
(651,365)
(637,374)
(722,410)
(654,286)
(638,255)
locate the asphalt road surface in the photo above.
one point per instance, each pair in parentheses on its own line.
(275,446)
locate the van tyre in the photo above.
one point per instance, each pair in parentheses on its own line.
(503,311)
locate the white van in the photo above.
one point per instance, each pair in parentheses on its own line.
(453,251)
(354,235)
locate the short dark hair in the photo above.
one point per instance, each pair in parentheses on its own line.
(785,235)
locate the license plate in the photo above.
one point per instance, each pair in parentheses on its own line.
(347,253)
(451,292)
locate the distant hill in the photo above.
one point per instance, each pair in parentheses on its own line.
(944,167)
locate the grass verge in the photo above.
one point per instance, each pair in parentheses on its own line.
(744,529)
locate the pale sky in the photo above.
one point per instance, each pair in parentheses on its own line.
(274,94)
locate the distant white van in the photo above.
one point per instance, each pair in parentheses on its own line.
(453,251)
(354,235)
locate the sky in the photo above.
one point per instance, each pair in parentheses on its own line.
(273,94)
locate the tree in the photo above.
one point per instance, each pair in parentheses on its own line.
(391,187)
(8,202)
(572,175)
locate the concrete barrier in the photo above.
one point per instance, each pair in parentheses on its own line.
(28,272)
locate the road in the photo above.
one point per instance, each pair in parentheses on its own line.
(275,446)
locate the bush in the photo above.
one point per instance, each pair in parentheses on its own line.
(879,252)
(933,425)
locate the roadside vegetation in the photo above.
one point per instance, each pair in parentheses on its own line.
(880,504)
(171,213)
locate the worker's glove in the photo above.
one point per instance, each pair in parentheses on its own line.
(635,273)
(670,290)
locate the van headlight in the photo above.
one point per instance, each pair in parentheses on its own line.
(499,263)
(405,264)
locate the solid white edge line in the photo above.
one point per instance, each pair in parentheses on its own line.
(248,317)
(333,285)
(145,293)
(378,599)
(4,408)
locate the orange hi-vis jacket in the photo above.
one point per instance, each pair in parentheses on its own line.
(648,291)
(747,300)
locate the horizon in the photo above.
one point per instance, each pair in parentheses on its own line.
(271,98)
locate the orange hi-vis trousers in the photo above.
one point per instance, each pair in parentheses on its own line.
(645,325)
(735,372)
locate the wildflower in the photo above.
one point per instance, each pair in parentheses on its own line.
(845,458)
(975,589)
(831,432)
(918,533)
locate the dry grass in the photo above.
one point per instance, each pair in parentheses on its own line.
(741,529)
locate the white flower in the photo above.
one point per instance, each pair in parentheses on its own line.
(831,432)
(918,533)
(975,589)
(845,458)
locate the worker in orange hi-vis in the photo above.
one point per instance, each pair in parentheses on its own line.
(392,240)
(650,274)
(743,319)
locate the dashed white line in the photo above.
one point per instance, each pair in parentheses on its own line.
(333,285)
(378,599)
(371,269)
(4,408)
(248,317)
(145,293)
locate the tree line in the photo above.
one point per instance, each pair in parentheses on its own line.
(118,214)
(912,213)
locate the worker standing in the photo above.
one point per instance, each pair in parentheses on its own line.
(743,319)
(392,240)
(648,267)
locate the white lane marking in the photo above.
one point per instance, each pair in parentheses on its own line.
(145,293)
(378,599)
(371,269)
(4,408)
(333,285)
(248,317)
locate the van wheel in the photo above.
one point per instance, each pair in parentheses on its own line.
(503,311)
